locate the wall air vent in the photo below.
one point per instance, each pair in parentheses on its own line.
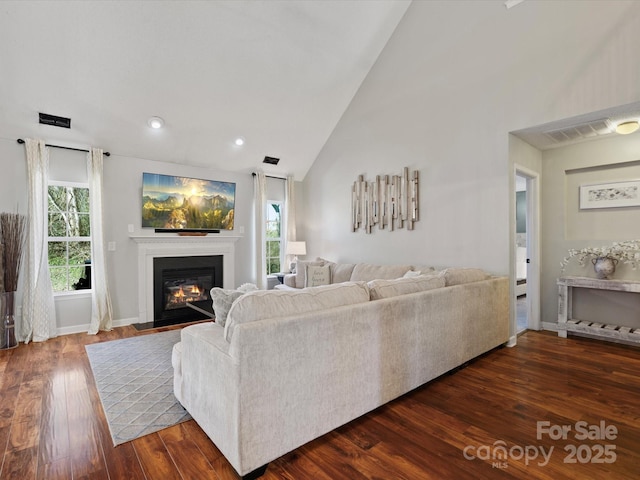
(271,160)
(580,132)
(54,120)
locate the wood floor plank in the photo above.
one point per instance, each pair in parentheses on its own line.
(9,392)
(56,470)
(123,462)
(365,461)
(188,458)
(224,470)
(84,436)
(295,466)
(20,464)
(54,429)
(155,459)
(401,445)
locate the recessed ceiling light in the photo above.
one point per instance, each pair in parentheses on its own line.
(155,122)
(625,128)
(239,141)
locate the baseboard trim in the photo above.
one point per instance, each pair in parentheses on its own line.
(513,340)
(85,328)
(553,327)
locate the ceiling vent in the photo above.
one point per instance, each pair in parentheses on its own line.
(55,121)
(580,132)
(271,160)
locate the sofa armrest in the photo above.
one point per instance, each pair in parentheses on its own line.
(290,280)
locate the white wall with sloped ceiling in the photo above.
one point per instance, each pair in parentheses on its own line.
(453,81)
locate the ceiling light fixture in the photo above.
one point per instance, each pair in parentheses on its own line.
(239,141)
(155,122)
(626,128)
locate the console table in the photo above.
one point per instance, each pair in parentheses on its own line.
(566,322)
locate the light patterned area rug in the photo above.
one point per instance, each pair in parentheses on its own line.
(134,377)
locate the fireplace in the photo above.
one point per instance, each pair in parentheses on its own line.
(182,281)
(168,245)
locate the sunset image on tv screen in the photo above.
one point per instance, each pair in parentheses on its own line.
(171,202)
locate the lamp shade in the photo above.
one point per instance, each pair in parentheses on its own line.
(296,248)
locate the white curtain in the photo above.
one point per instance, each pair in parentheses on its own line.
(101,316)
(259,201)
(38,308)
(290,218)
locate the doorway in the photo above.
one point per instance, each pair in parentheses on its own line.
(526,260)
(522,321)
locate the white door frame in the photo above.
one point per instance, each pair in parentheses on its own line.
(533,247)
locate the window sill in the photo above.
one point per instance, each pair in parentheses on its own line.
(78,294)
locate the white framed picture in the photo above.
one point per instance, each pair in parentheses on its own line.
(610,195)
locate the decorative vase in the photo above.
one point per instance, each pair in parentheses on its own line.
(8,321)
(604,267)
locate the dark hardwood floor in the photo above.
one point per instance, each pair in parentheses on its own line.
(52,425)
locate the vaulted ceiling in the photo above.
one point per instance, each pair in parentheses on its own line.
(278,73)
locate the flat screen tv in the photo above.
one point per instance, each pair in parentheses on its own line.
(179,203)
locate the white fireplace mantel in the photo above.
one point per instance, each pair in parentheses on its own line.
(171,245)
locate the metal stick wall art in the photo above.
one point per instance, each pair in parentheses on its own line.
(390,201)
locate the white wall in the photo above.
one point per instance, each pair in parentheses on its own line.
(451,83)
(13,177)
(122,206)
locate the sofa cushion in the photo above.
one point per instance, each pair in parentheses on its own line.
(458,276)
(364,272)
(401,286)
(301,271)
(341,272)
(317,276)
(222,300)
(265,304)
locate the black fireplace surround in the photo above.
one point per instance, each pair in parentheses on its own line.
(178,280)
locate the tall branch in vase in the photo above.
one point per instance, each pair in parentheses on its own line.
(12,231)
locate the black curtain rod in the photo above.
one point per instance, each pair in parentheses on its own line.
(270,176)
(106,154)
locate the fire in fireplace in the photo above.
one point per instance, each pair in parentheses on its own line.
(185,290)
(183,281)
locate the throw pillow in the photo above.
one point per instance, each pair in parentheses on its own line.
(412,274)
(301,271)
(317,276)
(222,300)
(247,287)
(425,269)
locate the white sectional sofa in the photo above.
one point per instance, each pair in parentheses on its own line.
(292,365)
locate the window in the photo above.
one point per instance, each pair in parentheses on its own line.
(69,237)
(274,237)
